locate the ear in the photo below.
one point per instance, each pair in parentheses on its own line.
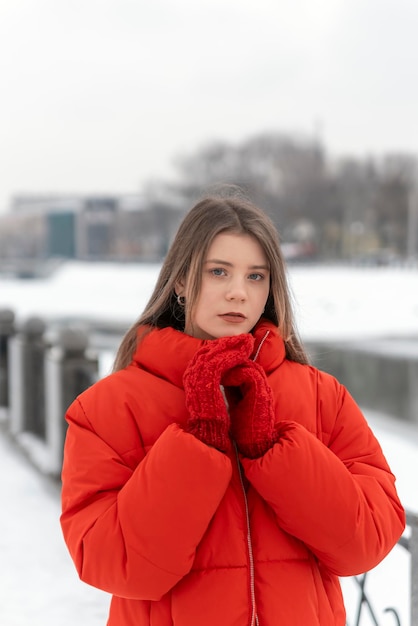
(179,288)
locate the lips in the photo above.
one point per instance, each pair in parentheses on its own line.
(233,316)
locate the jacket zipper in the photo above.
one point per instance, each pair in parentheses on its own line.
(254,618)
(255,357)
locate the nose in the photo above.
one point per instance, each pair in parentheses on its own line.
(236,291)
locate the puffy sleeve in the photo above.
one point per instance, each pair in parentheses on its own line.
(132,530)
(339,496)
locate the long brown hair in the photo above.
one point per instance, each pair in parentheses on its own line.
(212,215)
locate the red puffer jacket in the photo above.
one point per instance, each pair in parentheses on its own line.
(184,535)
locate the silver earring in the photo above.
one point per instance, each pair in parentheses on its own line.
(181,300)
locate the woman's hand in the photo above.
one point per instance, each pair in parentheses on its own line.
(208,415)
(252,415)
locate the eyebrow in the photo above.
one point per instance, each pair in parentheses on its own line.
(228,264)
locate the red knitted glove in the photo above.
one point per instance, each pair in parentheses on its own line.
(209,418)
(252,416)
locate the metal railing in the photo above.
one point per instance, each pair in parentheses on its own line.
(366,605)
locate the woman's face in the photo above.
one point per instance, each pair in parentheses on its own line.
(235,287)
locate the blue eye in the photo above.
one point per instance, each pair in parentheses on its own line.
(256,276)
(217,271)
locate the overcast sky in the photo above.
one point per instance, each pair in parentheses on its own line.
(101,95)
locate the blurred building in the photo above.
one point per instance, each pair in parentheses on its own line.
(92,227)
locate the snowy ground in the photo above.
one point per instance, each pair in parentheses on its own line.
(38,583)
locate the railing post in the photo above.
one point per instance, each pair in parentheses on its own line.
(26,401)
(69,369)
(412,521)
(7,318)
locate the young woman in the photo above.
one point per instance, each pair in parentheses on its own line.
(216,477)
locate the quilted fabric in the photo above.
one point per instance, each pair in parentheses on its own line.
(183,534)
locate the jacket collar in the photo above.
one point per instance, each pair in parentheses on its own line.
(165,352)
(269,348)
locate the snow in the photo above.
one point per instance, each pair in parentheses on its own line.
(355,303)
(105,291)
(38,582)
